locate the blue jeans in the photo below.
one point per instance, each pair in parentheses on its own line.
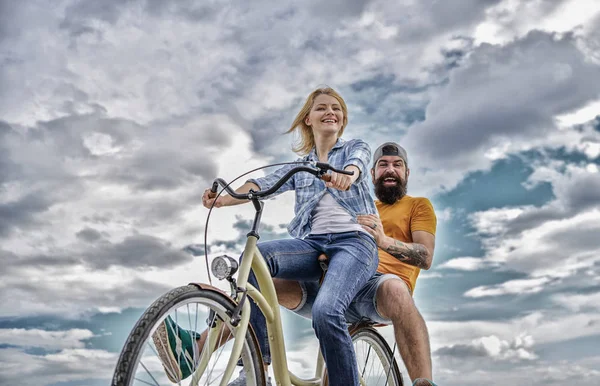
(362,308)
(352,261)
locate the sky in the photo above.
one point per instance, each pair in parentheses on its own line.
(116,115)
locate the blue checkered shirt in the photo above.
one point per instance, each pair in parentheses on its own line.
(309,189)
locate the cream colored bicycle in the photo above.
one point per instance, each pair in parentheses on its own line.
(220,321)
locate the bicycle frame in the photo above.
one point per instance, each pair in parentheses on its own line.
(266,299)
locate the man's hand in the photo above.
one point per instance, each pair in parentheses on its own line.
(372,224)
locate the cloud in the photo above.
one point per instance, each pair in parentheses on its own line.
(511,287)
(62,366)
(48,340)
(555,240)
(542,326)
(466,264)
(76,291)
(62,353)
(578,302)
(20,213)
(491,346)
(502,98)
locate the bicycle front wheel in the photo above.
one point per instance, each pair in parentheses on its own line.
(188,312)
(376,364)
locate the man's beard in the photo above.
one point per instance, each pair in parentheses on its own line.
(390,194)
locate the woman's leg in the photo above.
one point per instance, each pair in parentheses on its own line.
(286,259)
(352,261)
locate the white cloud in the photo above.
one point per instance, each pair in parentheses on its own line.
(513,18)
(547,327)
(511,287)
(519,349)
(49,340)
(466,264)
(554,241)
(63,366)
(63,362)
(578,302)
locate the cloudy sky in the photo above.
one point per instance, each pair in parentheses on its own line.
(115,115)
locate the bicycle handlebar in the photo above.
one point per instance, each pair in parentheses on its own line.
(319,171)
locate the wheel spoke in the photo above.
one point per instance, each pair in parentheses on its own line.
(150,374)
(375,360)
(140,362)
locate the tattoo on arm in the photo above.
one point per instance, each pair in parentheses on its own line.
(413,254)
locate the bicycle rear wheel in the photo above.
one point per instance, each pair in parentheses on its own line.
(192,309)
(376,364)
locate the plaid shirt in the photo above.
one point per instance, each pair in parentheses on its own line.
(309,189)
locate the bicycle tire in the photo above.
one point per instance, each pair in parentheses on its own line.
(383,352)
(127,364)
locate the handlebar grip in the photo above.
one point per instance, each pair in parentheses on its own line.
(327,178)
(213,190)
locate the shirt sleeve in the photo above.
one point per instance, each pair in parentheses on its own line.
(423,218)
(359,155)
(269,180)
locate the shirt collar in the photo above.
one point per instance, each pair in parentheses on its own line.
(339,143)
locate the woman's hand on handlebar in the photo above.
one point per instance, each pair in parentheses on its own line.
(343,181)
(339,181)
(208,198)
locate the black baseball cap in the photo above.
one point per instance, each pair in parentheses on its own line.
(390,148)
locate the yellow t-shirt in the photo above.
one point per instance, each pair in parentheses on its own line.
(399,220)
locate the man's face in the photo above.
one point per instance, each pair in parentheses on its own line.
(390,177)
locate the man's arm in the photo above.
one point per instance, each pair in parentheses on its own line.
(418,253)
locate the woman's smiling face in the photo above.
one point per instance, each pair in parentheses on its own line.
(326,115)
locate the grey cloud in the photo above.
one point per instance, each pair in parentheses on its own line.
(581,240)
(79,16)
(583,193)
(89,235)
(69,132)
(461,351)
(10,14)
(573,196)
(421,20)
(340,8)
(168,157)
(502,92)
(21,212)
(267,232)
(137,251)
(9,170)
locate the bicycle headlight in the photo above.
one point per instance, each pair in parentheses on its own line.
(223,266)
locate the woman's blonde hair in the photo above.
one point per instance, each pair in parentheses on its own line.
(307,138)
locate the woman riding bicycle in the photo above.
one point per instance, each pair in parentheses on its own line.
(324,222)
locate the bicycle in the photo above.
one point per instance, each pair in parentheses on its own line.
(227,315)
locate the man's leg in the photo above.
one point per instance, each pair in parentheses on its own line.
(289,293)
(395,302)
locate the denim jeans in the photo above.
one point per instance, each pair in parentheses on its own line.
(352,261)
(362,308)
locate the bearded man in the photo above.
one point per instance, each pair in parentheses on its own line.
(405,235)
